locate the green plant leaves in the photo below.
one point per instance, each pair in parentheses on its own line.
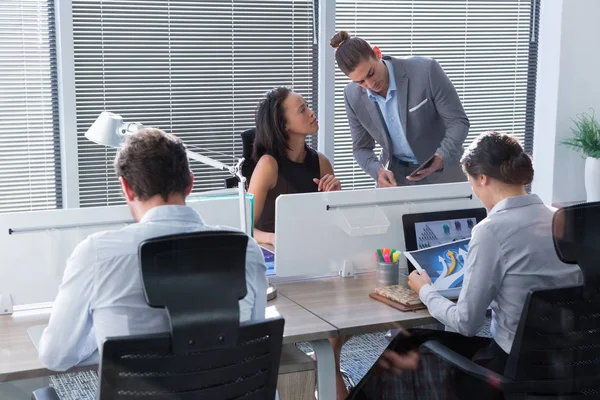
(586,135)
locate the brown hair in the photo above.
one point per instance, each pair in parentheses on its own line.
(499,156)
(350,51)
(154,162)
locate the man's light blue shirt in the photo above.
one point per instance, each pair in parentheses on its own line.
(102,294)
(390,109)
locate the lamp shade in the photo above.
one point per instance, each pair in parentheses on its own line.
(106,130)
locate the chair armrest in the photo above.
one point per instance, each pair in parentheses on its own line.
(47,393)
(464,364)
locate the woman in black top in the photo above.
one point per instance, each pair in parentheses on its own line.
(285,164)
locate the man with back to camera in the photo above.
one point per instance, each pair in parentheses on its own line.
(101,294)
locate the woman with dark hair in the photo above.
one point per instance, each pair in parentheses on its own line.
(285,164)
(406,105)
(510,253)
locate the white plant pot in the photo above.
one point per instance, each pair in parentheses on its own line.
(592,179)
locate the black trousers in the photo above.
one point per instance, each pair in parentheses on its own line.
(435,379)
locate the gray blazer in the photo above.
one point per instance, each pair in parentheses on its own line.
(431,113)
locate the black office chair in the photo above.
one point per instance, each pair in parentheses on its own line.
(249,164)
(556,351)
(199,279)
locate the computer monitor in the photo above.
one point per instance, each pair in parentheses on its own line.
(423,230)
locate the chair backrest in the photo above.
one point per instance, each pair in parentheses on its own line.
(249,164)
(199,279)
(576,233)
(558,341)
(558,338)
(144,367)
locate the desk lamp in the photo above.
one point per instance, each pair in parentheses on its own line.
(110,130)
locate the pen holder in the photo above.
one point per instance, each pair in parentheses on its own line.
(387,273)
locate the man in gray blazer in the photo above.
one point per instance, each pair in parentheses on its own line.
(406,105)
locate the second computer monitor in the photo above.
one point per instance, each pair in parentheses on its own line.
(423,230)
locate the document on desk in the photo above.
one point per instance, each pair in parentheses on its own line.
(444,265)
(35,334)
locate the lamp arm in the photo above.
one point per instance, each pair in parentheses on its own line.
(209,161)
(234,171)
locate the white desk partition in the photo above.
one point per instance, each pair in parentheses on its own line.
(324,233)
(34,246)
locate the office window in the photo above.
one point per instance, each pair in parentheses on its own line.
(487,48)
(194,68)
(29,135)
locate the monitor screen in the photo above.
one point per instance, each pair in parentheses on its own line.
(433,233)
(423,230)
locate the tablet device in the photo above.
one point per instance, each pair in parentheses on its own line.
(445,265)
(423,166)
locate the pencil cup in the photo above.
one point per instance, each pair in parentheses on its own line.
(387,273)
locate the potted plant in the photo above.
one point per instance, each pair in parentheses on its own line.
(586,139)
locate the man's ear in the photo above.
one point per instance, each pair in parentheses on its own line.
(126,189)
(188,190)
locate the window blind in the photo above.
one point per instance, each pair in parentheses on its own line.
(193,68)
(487,48)
(29,134)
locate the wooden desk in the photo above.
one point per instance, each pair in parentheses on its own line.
(345,304)
(300,324)
(314,310)
(19,357)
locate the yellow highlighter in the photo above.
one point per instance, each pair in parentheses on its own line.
(395,256)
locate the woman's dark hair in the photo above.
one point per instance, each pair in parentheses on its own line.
(271,135)
(350,51)
(499,156)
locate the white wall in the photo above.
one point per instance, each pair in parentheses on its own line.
(568,84)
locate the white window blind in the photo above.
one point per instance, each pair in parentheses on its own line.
(194,68)
(487,48)
(29,135)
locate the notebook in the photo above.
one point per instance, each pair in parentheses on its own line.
(398,296)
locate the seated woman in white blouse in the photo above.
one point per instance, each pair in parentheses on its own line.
(510,253)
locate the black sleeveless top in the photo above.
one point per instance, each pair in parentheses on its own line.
(292,177)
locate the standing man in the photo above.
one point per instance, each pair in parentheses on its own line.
(406,105)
